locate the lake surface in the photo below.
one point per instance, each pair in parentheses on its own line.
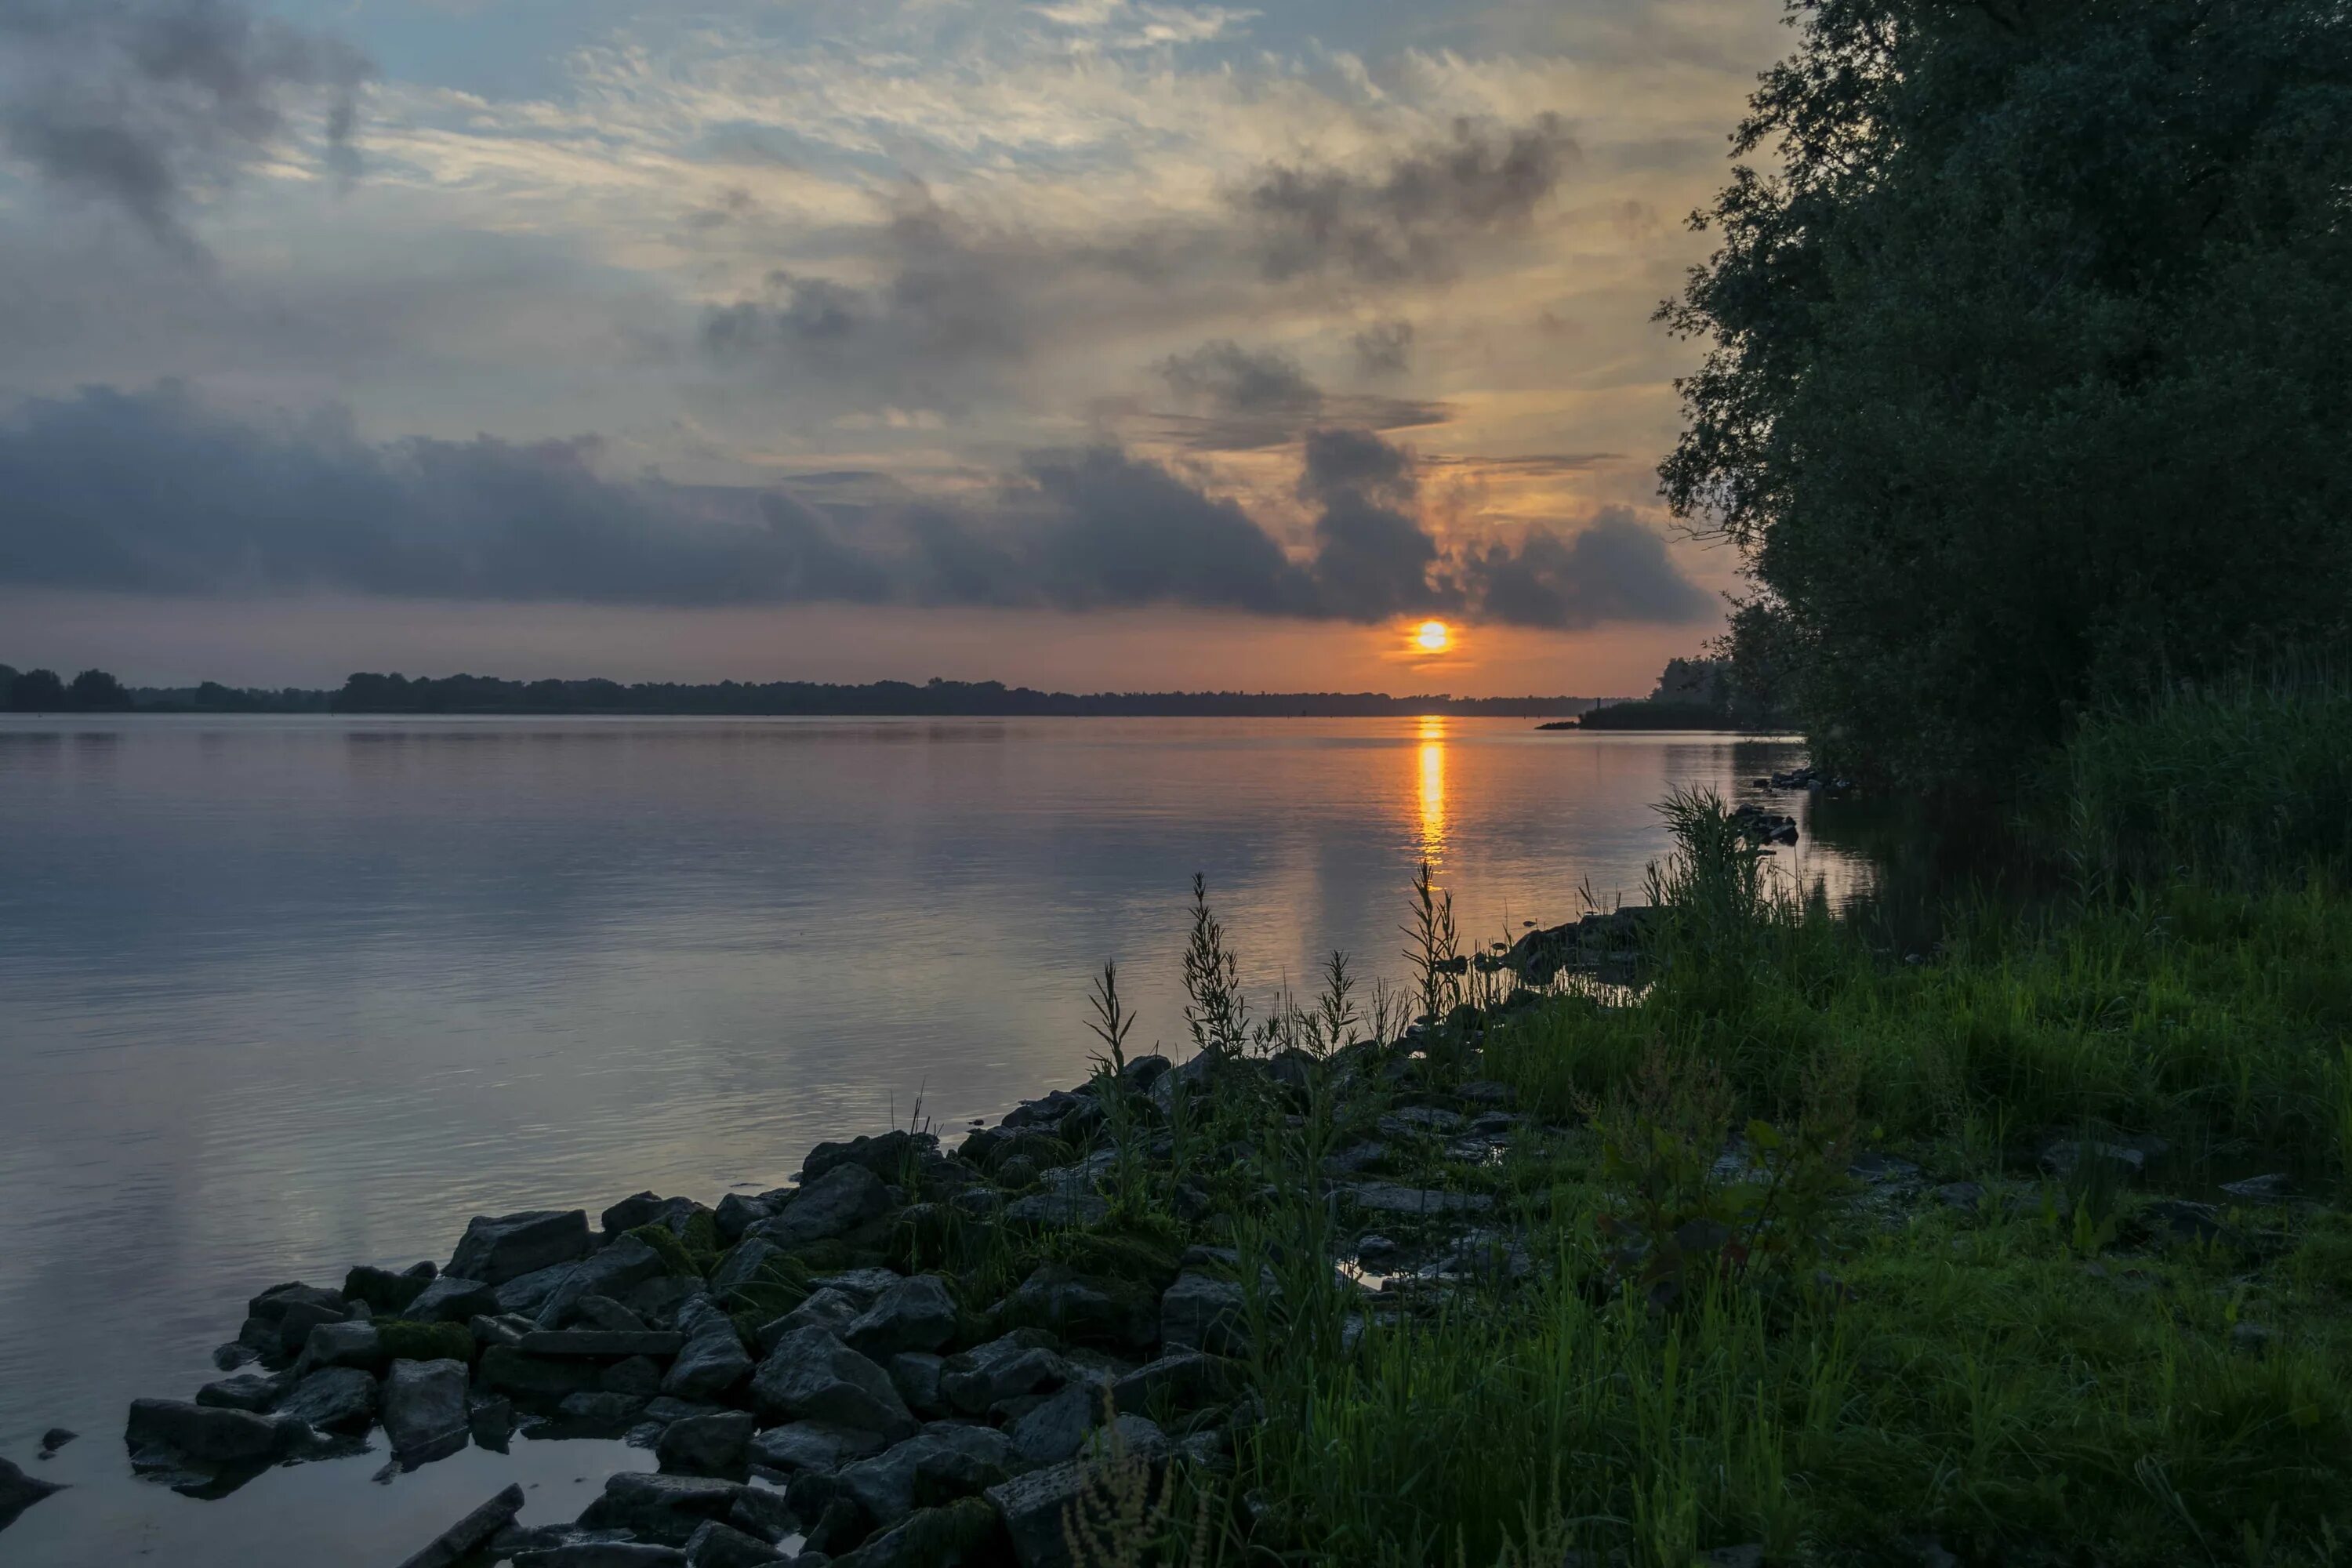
(280,996)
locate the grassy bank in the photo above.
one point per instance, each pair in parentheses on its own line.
(1849,1254)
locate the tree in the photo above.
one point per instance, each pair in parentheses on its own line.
(96,691)
(37,691)
(2026,383)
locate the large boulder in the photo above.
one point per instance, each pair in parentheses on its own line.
(665,1510)
(254,1391)
(962,1532)
(1019,1363)
(1057,1429)
(840,1200)
(452,1300)
(546,1378)
(885,1155)
(1033,1506)
(817,1446)
(607,1343)
(424,1404)
(712,1364)
(19,1491)
(916,1314)
(707,1444)
(610,1272)
(828,1309)
(716,1545)
(209,1435)
(526,1293)
(743,1265)
(333,1399)
(497,1249)
(1181,1380)
(386,1293)
(737,1213)
(941,1463)
(812,1376)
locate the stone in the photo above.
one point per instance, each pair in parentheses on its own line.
(254,1391)
(508,1247)
(452,1300)
(527,1293)
(333,1399)
(294,1325)
(743,1265)
(812,1376)
(936,1464)
(56,1437)
(423,1403)
(1127,1438)
(272,1304)
(1200,1311)
(1390,1197)
(603,1554)
(627,1261)
(1184,1379)
(817,1446)
(509,1370)
(210,1436)
(344,1345)
(1420,1121)
(469,1534)
(2263,1189)
(601,1407)
(1751,1555)
(646,1208)
(707,1444)
(613,1344)
(19,1491)
(2173,1220)
(2065,1156)
(602,1313)
(913,1314)
(1031,1507)
(490,1421)
(862,1285)
(716,1545)
(1059,1210)
(826,1308)
(710,1364)
(737,1213)
(962,1532)
(916,1375)
(505,1330)
(1057,1428)
(1079,1307)
(666,1510)
(639,1375)
(384,1290)
(236,1353)
(1960,1194)
(841,1199)
(1002,1369)
(1881,1170)
(762,1513)
(884,1156)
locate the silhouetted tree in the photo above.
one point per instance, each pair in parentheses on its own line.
(96,691)
(37,691)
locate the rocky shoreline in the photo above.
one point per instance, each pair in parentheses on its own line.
(818,1377)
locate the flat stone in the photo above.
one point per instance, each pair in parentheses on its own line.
(450,1300)
(610,1342)
(469,1534)
(812,1376)
(2263,1189)
(666,1510)
(707,1444)
(254,1391)
(211,1436)
(913,1314)
(818,1445)
(424,1404)
(496,1250)
(333,1399)
(344,1345)
(19,1491)
(841,1199)
(1389,1197)
(716,1545)
(936,1464)
(627,1262)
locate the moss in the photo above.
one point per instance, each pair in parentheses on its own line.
(404,1340)
(701,1239)
(673,1252)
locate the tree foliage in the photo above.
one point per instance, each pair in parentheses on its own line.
(2029,374)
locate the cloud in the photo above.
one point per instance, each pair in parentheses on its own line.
(1410,221)
(1384,348)
(1235,380)
(160,493)
(147,104)
(1242,400)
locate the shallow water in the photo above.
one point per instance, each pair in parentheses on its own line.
(280,995)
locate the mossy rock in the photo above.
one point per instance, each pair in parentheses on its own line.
(675,1256)
(401,1339)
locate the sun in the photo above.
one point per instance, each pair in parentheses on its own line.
(1433,637)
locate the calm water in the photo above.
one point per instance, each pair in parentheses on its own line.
(277,996)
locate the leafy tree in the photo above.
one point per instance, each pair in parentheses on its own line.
(7,684)
(37,691)
(2027,376)
(94,690)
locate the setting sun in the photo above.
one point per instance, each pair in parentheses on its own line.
(1433,637)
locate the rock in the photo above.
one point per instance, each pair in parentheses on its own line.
(384,1290)
(2064,1157)
(737,1213)
(19,1491)
(254,1391)
(509,1370)
(272,1304)
(472,1533)
(1200,1311)
(1081,1308)
(1960,1194)
(826,1308)
(1420,1121)
(658,1301)
(601,1407)
(424,1404)
(490,1421)
(607,1342)
(627,1261)
(762,1513)
(56,1437)
(811,1375)
(527,1292)
(884,1156)
(496,1251)
(294,1325)
(862,1286)
(915,1314)
(1748,1556)
(647,1208)
(1186,1378)
(1031,1507)
(1354,1160)
(639,1375)
(942,1462)
(2265,1189)
(707,1444)
(335,1399)
(818,1445)
(716,1545)
(602,1312)
(2170,1220)
(1881,1170)
(743,1265)
(1058,1210)
(1002,1369)
(841,1199)
(209,1435)
(344,1345)
(233,1354)
(603,1554)
(712,1364)
(1057,1428)
(666,1509)
(1389,1197)
(2251,1339)
(451,1300)
(916,1375)
(962,1532)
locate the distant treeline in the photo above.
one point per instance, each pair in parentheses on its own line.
(96,691)
(487,694)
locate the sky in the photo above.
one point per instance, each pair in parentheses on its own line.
(1094,344)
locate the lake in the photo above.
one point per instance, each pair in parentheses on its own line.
(280,996)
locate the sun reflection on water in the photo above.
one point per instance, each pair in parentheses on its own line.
(1433,788)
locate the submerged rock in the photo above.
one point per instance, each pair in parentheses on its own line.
(472,1533)
(666,1510)
(19,1491)
(335,1399)
(210,1436)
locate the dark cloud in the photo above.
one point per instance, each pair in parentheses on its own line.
(1234,380)
(160,493)
(146,103)
(1384,348)
(1242,400)
(1410,221)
